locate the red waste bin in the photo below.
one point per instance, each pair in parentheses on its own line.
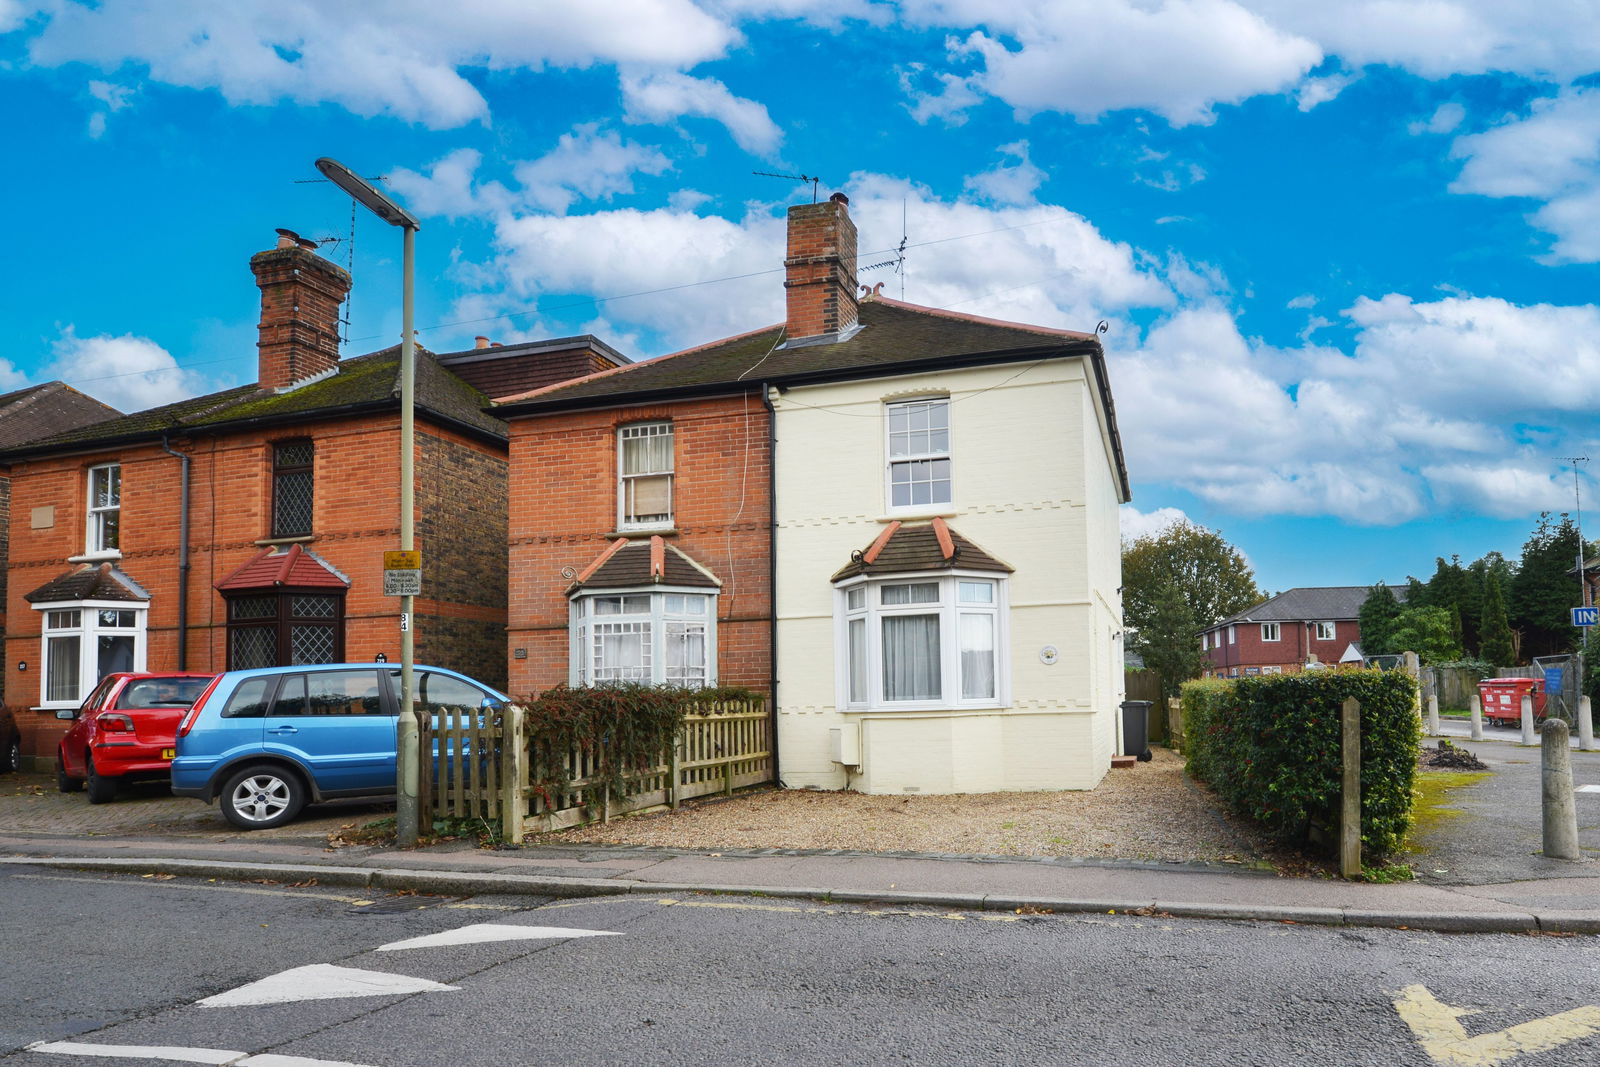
(1502,699)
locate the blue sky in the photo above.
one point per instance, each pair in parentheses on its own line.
(1346,251)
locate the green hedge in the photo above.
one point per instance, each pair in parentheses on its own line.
(1270,748)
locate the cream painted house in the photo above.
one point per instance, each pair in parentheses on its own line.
(979,648)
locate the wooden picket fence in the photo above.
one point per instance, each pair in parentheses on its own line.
(484,767)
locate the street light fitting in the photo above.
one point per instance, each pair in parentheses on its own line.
(367,194)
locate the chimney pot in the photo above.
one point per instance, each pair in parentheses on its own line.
(287,238)
(840,198)
(480,342)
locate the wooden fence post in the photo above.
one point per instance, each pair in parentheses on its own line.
(1350,808)
(515,766)
(675,772)
(429,770)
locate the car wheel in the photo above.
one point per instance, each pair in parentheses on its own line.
(101,790)
(261,797)
(65,783)
(11,761)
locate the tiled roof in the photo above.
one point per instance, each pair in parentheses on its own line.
(932,546)
(369,381)
(892,335)
(1311,604)
(40,411)
(295,568)
(627,563)
(89,582)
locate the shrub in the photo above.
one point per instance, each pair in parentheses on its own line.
(1270,747)
(620,732)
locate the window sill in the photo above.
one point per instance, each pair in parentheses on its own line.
(923,709)
(643,531)
(937,511)
(96,557)
(270,542)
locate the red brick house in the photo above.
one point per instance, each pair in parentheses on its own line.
(247,527)
(1284,633)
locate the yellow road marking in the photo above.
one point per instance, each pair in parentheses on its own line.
(792,909)
(308,891)
(1438,1030)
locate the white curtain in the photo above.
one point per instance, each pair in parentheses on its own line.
(911,657)
(977,657)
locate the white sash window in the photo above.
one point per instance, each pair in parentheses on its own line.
(922,642)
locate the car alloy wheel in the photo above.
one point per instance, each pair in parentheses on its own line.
(261,797)
(102,790)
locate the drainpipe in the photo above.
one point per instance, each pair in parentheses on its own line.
(183,556)
(772,564)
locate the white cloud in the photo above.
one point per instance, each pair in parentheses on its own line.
(664,98)
(1087,57)
(448,188)
(1137,524)
(129,373)
(1304,300)
(949,99)
(1315,91)
(404,59)
(1010,183)
(1446,118)
(588,163)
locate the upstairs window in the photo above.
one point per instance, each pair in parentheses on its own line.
(1270,632)
(105,508)
(919,453)
(291,488)
(645,465)
(1324,631)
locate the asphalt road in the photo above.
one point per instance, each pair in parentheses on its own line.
(93,962)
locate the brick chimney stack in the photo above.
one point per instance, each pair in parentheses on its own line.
(300,297)
(820,271)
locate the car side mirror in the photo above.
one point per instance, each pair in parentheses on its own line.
(67,713)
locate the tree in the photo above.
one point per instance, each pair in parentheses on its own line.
(1377,618)
(1167,641)
(1448,588)
(1426,631)
(1543,591)
(1207,573)
(1497,646)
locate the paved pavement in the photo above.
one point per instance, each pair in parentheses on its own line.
(1479,870)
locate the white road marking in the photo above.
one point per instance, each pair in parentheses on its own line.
(217,1057)
(1588,789)
(322,981)
(486,932)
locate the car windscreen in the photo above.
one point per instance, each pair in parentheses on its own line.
(176,692)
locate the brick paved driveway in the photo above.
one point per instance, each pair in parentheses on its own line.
(31,804)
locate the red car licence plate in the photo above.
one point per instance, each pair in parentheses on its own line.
(168,753)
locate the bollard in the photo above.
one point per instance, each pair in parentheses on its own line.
(1477,717)
(1585,724)
(1433,715)
(1560,807)
(1527,721)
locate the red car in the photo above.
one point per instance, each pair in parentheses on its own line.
(124,731)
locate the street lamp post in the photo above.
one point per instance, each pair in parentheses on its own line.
(407,819)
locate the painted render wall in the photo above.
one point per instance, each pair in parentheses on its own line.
(1032,486)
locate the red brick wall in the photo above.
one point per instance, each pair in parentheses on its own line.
(820,270)
(1289,653)
(564,514)
(355,519)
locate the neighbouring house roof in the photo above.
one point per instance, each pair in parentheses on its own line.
(625,564)
(295,568)
(932,546)
(894,338)
(41,411)
(362,383)
(1310,604)
(89,582)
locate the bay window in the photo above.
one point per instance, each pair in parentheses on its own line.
(922,642)
(82,643)
(657,637)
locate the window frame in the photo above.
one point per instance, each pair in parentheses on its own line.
(629,431)
(282,623)
(870,611)
(1275,629)
(1332,633)
(891,461)
(87,628)
(281,470)
(581,620)
(95,515)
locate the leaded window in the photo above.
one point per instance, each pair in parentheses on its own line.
(284,629)
(291,488)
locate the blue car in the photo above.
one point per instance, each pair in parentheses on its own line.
(264,743)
